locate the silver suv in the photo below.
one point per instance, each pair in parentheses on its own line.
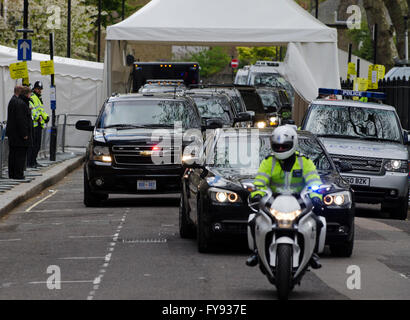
(369,145)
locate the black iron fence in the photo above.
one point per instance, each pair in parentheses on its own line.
(397,95)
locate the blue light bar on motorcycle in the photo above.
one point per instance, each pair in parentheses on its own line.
(352,93)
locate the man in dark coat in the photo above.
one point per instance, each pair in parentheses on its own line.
(19,131)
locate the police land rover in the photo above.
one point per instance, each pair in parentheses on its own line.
(368,144)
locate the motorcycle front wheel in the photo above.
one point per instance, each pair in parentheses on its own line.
(284,271)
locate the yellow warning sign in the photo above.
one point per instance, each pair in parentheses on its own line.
(376,73)
(360,84)
(18,70)
(47,67)
(351,70)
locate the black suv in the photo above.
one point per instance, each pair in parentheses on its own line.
(135,148)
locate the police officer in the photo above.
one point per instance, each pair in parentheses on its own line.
(286,169)
(40,119)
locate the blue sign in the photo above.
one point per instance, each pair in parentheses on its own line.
(351,93)
(53,98)
(24,50)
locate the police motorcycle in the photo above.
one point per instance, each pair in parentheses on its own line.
(285,236)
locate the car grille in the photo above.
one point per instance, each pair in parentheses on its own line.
(361,164)
(133,155)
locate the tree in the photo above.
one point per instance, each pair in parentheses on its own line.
(113,8)
(211,61)
(47,16)
(397,10)
(251,55)
(386,48)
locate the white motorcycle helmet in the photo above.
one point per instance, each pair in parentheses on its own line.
(284,142)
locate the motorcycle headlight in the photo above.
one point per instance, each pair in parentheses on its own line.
(101,153)
(396,166)
(224,196)
(261,124)
(285,219)
(338,200)
(274,121)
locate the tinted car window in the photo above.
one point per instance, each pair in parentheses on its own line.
(148,113)
(353,122)
(213,107)
(230,152)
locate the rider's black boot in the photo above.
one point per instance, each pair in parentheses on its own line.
(314,262)
(252,261)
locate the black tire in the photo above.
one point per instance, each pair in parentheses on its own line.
(92,199)
(400,211)
(204,244)
(284,271)
(344,250)
(186,227)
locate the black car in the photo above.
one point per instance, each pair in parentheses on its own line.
(214,197)
(134,148)
(217,105)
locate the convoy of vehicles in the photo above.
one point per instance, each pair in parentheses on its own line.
(359,149)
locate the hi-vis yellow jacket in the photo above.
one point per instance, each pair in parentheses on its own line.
(270,174)
(38,111)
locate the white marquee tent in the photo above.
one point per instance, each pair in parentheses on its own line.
(312,56)
(79,83)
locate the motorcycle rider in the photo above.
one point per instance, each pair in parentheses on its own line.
(283,169)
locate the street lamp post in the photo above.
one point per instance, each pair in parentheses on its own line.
(69,29)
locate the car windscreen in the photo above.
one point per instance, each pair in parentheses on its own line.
(353,123)
(239,151)
(213,107)
(161,113)
(270,98)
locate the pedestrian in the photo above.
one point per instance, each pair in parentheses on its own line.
(40,120)
(19,131)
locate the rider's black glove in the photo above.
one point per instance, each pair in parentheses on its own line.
(256,199)
(317,205)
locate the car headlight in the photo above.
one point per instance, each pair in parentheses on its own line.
(261,124)
(396,166)
(224,196)
(285,219)
(338,200)
(101,153)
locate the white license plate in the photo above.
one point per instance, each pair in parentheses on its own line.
(146,185)
(358,181)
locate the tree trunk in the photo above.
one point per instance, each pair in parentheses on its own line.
(386,49)
(397,10)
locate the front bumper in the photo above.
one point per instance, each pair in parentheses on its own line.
(388,187)
(124,180)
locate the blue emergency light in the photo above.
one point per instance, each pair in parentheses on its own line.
(352,93)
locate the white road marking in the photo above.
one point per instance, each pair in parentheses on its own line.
(74,281)
(42,200)
(80,258)
(84,237)
(9,240)
(107,258)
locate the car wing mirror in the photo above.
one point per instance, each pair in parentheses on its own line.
(84,125)
(243,117)
(213,123)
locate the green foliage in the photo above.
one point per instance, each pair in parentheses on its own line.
(249,56)
(46,16)
(211,61)
(113,9)
(362,36)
